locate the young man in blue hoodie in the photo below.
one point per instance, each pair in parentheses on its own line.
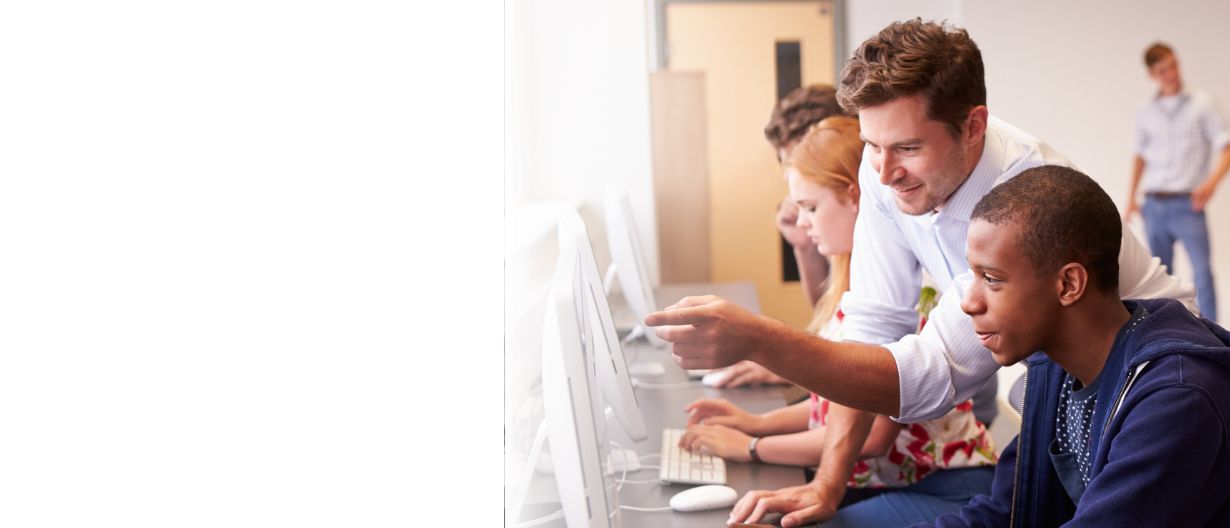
(1125,405)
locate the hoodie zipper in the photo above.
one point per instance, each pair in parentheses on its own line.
(1127,384)
(1016,475)
(1119,400)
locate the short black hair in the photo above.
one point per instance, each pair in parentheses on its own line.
(1062,216)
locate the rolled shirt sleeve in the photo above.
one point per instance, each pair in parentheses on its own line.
(945,363)
(1213,126)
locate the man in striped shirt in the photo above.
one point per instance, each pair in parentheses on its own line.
(1177,131)
(933,151)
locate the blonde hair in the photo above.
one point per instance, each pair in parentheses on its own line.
(829,156)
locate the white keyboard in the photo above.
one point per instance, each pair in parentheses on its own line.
(685,467)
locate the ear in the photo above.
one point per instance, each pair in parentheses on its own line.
(852,190)
(1072,283)
(976,124)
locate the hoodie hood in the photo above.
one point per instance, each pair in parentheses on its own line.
(1171,329)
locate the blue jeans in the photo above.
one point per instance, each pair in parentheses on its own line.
(1168,219)
(944,491)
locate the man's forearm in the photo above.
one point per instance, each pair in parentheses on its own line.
(846,431)
(813,272)
(852,374)
(797,449)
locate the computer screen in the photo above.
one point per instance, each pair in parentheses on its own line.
(628,258)
(574,409)
(612,368)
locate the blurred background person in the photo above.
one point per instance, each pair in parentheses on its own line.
(1177,131)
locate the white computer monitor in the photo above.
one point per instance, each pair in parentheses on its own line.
(628,260)
(612,368)
(577,439)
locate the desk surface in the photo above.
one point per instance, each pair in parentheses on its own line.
(663,408)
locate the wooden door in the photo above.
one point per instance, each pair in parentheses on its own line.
(735,46)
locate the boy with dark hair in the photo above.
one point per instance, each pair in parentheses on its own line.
(1123,421)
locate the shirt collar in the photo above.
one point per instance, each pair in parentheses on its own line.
(1183,95)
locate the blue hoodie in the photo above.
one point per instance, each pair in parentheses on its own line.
(1159,435)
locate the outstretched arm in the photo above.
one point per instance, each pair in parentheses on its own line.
(710,332)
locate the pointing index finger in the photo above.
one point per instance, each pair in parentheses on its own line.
(679,316)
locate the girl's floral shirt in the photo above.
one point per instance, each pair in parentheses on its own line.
(955,440)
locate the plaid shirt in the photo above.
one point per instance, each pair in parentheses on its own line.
(1176,136)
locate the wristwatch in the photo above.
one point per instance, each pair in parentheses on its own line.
(751,449)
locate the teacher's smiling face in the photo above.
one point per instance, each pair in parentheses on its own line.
(919,158)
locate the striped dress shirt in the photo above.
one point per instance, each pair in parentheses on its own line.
(945,364)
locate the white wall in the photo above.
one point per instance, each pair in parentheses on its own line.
(577,106)
(1071,74)
(865,18)
(578,78)
(1078,86)
(577,119)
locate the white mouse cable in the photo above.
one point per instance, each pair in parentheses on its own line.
(639,509)
(646,481)
(619,482)
(623,473)
(662,386)
(624,453)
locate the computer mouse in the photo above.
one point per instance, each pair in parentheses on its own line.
(699,373)
(712,379)
(704,498)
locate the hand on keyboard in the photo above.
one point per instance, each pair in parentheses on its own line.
(715,411)
(717,440)
(683,467)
